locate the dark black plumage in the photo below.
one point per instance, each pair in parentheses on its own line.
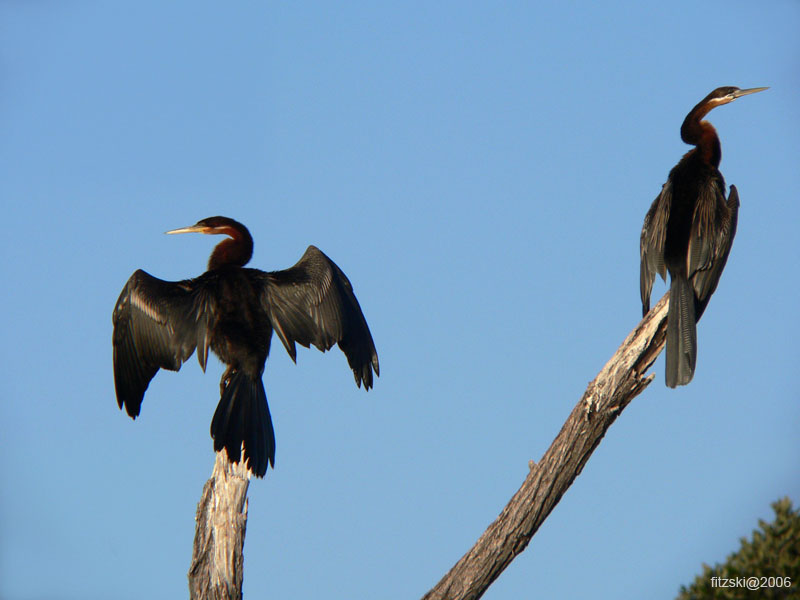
(233,310)
(688,232)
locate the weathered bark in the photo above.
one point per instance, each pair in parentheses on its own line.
(619,382)
(217,562)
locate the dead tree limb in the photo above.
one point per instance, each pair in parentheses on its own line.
(619,382)
(217,561)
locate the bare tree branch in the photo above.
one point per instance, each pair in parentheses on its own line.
(217,562)
(619,382)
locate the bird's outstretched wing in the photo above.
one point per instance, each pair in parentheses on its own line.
(157,325)
(313,303)
(710,241)
(651,244)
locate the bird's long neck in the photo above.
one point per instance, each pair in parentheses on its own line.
(702,134)
(235,251)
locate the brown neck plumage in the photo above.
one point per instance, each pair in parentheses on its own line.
(702,134)
(235,251)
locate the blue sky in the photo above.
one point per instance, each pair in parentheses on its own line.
(480,171)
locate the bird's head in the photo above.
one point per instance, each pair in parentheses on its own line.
(214,226)
(236,251)
(726,94)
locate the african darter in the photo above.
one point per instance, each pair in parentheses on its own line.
(233,310)
(688,231)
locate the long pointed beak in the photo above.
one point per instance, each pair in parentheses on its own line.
(191,229)
(740,93)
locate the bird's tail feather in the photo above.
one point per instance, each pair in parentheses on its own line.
(681,333)
(242,416)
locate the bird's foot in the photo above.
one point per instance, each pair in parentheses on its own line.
(226,379)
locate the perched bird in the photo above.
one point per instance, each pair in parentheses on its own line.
(688,231)
(233,310)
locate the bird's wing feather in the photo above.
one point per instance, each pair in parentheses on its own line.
(313,303)
(710,241)
(651,244)
(157,324)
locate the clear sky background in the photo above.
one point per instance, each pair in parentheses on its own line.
(481,172)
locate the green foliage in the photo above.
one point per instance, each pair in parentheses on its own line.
(774,551)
